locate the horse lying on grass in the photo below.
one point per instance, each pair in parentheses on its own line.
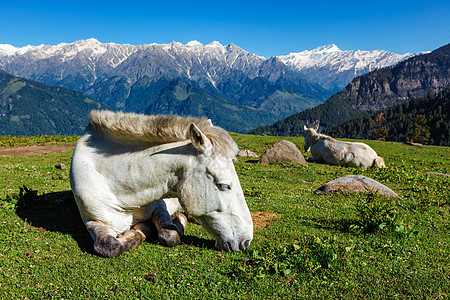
(123,163)
(325,149)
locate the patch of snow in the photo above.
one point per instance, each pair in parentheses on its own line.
(8,49)
(194,43)
(11,50)
(214,44)
(327,49)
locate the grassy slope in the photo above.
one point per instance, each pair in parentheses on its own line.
(45,252)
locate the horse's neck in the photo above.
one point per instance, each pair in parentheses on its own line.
(157,168)
(314,138)
(173,156)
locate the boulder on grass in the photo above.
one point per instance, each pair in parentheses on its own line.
(283,151)
(355,184)
(60,166)
(247,153)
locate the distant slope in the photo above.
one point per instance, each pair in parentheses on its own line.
(32,108)
(414,77)
(183,98)
(377,90)
(435,107)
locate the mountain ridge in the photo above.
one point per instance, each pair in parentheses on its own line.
(110,73)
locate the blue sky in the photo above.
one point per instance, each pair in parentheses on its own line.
(266,28)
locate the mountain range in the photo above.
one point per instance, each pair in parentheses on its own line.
(377,90)
(237,89)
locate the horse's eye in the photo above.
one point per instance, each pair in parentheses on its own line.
(224,187)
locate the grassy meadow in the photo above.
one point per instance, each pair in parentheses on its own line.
(305,245)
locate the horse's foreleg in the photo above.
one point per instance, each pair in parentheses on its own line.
(170,230)
(108,244)
(147,228)
(180,220)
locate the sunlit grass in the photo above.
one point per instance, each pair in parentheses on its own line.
(305,245)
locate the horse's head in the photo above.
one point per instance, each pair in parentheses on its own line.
(211,193)
(308,133)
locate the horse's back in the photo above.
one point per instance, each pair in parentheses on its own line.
(333,151)
(352,154)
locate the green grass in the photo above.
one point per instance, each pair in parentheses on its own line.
(313,246)
(17,141)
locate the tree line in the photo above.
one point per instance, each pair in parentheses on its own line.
(422,120)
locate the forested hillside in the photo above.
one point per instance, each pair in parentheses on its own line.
(31,108)
(423,120)
(328,113)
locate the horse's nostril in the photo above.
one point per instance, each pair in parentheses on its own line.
(228,247)
(245,244)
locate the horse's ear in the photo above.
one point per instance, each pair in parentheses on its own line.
(317,125)
(304,127)
(199,139)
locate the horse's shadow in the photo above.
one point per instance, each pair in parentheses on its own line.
(58,212)
(55,212)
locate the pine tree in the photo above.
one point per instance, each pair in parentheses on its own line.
(378,127)
(419,131)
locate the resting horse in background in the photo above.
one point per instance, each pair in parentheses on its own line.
(124,164)
(325,149)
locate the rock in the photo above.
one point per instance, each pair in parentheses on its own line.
(283,151)
(414,144)
(150,277)
(247,153)
(355,184)
(60,166)
(436,173)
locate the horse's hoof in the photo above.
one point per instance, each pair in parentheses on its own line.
(131,239)
(181,217)
(180,222)
(168,237)
(108,246)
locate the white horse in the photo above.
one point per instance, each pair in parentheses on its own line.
(125,163)
(325,149)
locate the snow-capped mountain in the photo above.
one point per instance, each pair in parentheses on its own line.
(334,68)
(91,59)
(86,64)
(170,78)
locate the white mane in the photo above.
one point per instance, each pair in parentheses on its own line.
(141,129)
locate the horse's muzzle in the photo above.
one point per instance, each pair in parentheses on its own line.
(232,246)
